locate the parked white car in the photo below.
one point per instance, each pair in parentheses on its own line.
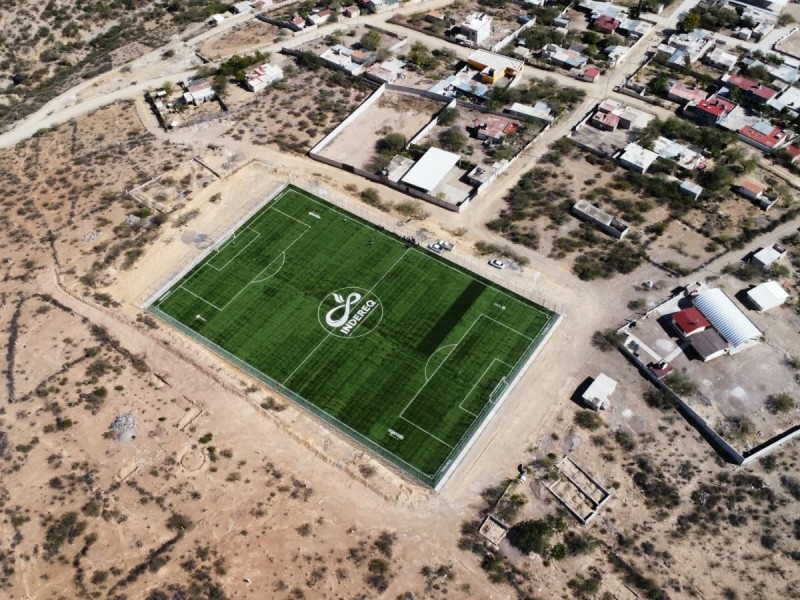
(497,264)
(445,245)
(436,248)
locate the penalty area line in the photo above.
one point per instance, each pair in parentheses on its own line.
(426,432)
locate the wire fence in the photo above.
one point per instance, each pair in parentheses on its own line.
(405,228)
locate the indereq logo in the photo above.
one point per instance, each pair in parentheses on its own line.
(350,312)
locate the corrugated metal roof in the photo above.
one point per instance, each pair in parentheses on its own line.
(726,318)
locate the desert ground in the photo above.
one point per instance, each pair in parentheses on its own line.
(139,465)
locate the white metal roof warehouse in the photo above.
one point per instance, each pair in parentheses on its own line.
(429,170)
(726,318)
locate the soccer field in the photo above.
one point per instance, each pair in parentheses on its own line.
(395,346)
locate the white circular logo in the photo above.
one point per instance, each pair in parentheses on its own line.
(350,312)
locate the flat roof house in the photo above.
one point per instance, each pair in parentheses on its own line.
(691,189)
(242,8)
(762,135)
(671,150)
(600,218)
(721,59)
(709,345)
(751,190)
(590,74)
(351,12)
(494,129)
(568,59)
(540,111)
(711,111)
(263,76)
(494,66)
(636,158)
(477,27)
(767,296)
(606,24)
(198,91)
(679,92)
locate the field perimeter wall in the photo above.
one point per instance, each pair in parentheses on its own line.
(436,480)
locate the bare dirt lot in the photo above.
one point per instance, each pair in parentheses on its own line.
(241,39)
(298,111)
(215,487)
(393,112)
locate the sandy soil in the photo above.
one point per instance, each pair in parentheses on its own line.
(283,507)
(394,112)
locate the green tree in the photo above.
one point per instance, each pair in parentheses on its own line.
(690,22)
(660,84)
(531,536)
(447,116)
(371,40)
(392,143)
(453,139)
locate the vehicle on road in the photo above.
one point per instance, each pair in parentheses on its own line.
(497,264)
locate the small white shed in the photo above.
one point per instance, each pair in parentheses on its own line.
(598,393)
(767,296)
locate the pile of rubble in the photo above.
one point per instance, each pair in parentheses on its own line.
(124,422)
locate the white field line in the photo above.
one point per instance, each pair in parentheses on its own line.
(428,433)
(188,291)
(257,275)
(427,362)
(290,216)
(519,333)
(491,364)
(220,351)
(496,287)
(235,256)
(329,334)
(451,462)
(491,394)
(181,272)
(282,256)
(424,385)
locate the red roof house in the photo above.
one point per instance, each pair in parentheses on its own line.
(763,136)
(607,24)
(689,321)
(682,93)
(793,151)
(756,90)
(591,74)
(606,121)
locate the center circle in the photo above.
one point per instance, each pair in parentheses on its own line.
(350,312)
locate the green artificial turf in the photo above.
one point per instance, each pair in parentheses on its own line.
(434,348)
